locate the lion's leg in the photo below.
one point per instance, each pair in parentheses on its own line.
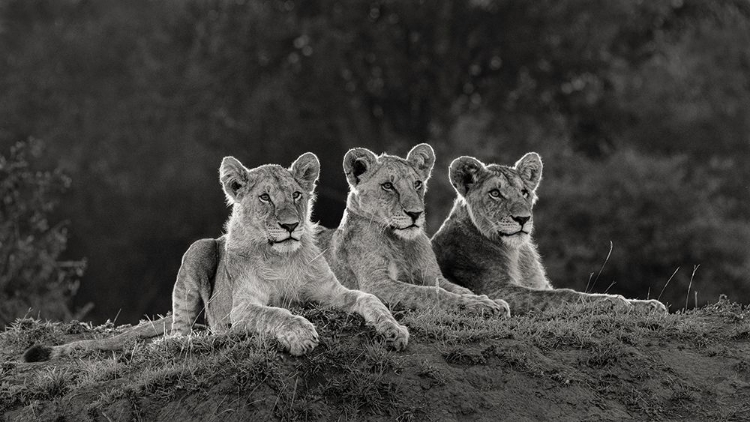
(373,277)
(296,334)
(453,288)
(193,284)
(523,300)
(421,297)
(648,305)
(331,293)
(452,295)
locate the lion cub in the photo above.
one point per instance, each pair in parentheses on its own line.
(246,280)
(381,247)
(485,243)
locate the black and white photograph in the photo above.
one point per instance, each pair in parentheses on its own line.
(374,210)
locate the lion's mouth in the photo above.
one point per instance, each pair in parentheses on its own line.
(413,226)
(288,239)
(518,233)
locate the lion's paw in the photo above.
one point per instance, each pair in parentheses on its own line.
(482,305)
(650,305)
(504,305)
(298,336)
(613,302)
(396,335)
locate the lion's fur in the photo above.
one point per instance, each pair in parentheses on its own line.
(381,249)
(246,279)
(482,245)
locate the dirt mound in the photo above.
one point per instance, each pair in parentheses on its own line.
(576,364)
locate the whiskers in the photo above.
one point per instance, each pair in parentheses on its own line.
(488,228)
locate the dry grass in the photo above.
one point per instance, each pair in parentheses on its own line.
(351,375)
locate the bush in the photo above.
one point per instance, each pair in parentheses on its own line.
(140,100)
(32,279)
(659,213)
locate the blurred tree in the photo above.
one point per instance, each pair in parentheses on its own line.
(659,216)
(140,100)
(32,278)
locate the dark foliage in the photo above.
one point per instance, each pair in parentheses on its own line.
(32,278)
(639,109)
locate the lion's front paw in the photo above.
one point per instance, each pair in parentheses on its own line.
(650,305)
(298,336)
(396,335)
(482,305)
(503,304)
(613,302)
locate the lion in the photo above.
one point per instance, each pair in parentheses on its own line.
(381,247)
(485,242)
(268,259)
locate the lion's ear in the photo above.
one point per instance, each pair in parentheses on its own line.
(422,157)
(357,162)
(306,170)
(463,173)
(530,169)
(234,176)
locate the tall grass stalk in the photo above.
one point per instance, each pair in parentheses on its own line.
(611,246)
(687,297)
(667,283)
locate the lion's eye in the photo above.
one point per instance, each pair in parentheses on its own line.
(418,185)
(525,193)
(495,193)
(296,195)
(265,197)
(387,186)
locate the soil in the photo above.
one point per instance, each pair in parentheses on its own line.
(658,374)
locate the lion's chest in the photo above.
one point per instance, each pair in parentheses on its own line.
(393,270)
(283,285)
(272,285)
(401,267)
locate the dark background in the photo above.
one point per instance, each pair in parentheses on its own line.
(640,110)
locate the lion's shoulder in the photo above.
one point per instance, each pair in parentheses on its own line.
(204,254)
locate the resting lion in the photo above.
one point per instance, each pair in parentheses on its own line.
(380,245)
(246,279)
(485,243)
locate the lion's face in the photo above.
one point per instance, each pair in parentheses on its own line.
(272,204)
(499,198)
(390,190)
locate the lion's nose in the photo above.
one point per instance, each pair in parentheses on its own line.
(289,226)
(414,215)
(520,220)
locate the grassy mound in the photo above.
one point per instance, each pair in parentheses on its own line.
(576,363)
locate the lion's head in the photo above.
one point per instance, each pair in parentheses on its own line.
(270,204)
(499,198)
(390,190)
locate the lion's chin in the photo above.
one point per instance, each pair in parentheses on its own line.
(516,240)
(287,246)
(408,233)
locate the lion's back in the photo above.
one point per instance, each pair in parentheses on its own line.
(202,289)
